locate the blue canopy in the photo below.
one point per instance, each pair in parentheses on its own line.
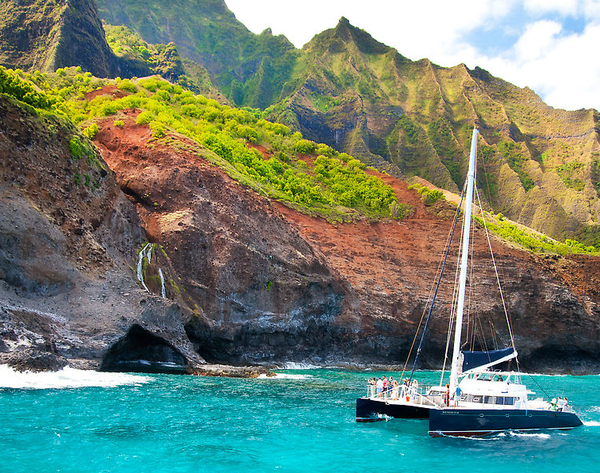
(473,360)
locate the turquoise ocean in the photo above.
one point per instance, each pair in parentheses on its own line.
(301,421)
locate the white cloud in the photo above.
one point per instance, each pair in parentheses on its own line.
(591,9)
(538,39)
(563,69)
(562,7)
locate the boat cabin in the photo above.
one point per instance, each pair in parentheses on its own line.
(492,390)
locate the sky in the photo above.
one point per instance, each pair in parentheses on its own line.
(550,46)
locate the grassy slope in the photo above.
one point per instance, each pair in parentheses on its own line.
(313,178)
(305,175)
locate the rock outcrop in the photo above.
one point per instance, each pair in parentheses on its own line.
(68,237)
(233,277)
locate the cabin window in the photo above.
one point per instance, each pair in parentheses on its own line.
(509,401)
(500,401)
(476,398)
(488,400)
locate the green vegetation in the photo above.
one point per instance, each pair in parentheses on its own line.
(530,240)
(161,59)
(91,131)
(207,33)
(442,139)
(567,171)
(328,183)
(306,175)
(428,196)
(12,84)
(596,175)
(512,152)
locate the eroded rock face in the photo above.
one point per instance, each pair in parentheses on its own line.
(262,293)
(253,281)
(273,285)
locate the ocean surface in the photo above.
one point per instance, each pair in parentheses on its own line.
(302,421)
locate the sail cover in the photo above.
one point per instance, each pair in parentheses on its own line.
(473,360)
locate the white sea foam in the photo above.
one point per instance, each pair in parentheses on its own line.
(285,376)
(66,378)
(292,365)
(592,423)
(530,435)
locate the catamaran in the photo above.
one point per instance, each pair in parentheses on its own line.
(477,400)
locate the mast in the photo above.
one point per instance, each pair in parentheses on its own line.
(463,263)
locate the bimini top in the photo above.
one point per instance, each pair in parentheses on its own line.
(479,360)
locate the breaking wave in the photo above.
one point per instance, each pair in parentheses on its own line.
(67,378)
(292,365)
(591,423)
(285,376)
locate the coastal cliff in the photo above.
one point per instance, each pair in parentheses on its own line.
(67,237)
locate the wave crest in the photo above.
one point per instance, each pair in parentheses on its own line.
(67,378)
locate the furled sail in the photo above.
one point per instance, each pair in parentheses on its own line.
(479,360)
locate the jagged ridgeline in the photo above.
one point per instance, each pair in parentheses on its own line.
(46,35)
(538,166)
(251,70)
(266,156)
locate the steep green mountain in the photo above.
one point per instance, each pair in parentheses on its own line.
(161,59)
(46,35)
(249,69)
(537,165)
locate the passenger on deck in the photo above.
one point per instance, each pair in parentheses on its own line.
(457,395)
(403,390)
(395,387)
(413,389)
(379,387)
(372,387)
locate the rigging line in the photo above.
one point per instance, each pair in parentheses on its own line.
(447,252)
(539,386)
(487,234)
(429,298)
(453,306)
(472,319)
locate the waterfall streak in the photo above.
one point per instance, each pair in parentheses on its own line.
(163,289)
(140,272)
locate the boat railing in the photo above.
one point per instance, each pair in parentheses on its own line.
(414,395)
